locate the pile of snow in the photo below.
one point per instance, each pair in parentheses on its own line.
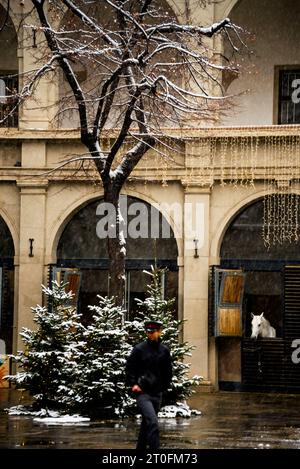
(62,420)
(26,410)
(49,417)
(180,409)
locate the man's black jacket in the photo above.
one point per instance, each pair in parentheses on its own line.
(149,366)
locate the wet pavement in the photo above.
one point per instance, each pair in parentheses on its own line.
(228,420)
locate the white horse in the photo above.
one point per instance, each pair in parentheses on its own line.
(261,327)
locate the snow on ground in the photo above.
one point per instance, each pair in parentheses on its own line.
(25,410)
(62,420)
(49,417)
(180,409)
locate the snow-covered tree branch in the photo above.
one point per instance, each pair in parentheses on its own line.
(131,66)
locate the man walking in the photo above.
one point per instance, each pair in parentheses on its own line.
(149,374)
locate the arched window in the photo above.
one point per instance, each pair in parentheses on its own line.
(6,287)
(272,279)
(82,255)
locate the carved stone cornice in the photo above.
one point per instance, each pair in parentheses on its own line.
(33,186)
(197,185)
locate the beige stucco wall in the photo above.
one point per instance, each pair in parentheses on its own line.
(10,209)
(36,203)
(273,41)
(276,32)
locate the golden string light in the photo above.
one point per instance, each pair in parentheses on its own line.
(249,160)
(238,160)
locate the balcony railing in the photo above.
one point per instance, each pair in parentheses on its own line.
(8,108)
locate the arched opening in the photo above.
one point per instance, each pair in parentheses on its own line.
(83,261)
(271,286)
(8,71)
(7,253)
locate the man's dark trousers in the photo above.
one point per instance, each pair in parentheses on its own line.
(149,406)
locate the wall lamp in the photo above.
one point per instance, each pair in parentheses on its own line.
(196,248)
(31,247)
(34,45)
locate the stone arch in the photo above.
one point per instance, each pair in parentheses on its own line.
(267,273)
(13,15)
(81,252)
(11,228)
(8,248)
(226,9)
(63,219)
(171,4)
(8,42)
(7,254)
(61,222)
(227,219)
(177,229)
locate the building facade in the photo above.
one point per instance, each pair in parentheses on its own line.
(212,196)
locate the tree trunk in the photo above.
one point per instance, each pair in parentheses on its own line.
(116,246)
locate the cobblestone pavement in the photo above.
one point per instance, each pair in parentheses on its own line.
(228,420)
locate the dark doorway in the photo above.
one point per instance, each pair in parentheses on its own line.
(272,279)
(7,253)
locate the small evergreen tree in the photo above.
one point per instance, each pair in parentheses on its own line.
(154,307)
(72,367)
(94,377)
(43,361)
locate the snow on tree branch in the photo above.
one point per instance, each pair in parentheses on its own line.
(132,67)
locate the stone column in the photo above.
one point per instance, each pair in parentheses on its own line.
(31,262)
(196,265)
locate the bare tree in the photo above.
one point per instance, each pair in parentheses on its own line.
(145,72)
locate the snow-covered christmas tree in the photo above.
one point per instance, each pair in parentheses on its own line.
(80,368)
(94,376)
(72,367)
(155,307)
(41,365)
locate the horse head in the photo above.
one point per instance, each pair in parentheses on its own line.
(257,322)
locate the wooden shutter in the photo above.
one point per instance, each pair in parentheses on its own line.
(228,300)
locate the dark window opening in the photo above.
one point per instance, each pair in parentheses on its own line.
(6,288)
(263,294)
(83,253)
(289,97)
(8,101)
